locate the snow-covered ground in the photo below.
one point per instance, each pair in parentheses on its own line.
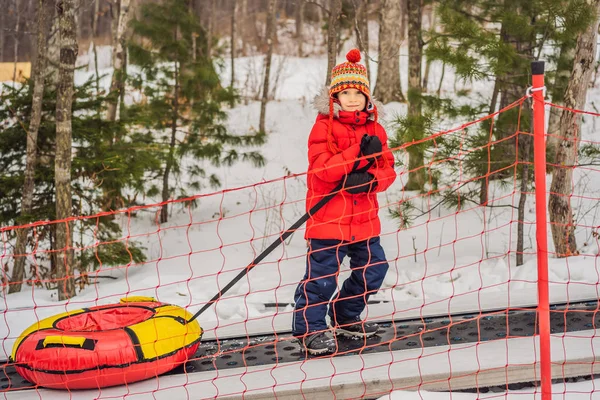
(446,261)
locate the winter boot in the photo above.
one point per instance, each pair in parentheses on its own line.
(318,343)
(356,328)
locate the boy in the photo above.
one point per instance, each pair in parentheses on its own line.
(345,132)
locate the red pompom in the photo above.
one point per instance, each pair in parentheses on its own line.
(353,56)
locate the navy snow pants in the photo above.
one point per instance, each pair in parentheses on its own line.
(313,294)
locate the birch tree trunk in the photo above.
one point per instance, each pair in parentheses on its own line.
(269,33)
(389,87)
(335,9)
(31,158)
(416,174)
(114,25)
(62,167)
(561,213)
(118,79)
(53,54)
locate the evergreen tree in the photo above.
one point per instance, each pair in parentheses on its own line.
(561,189)
(183,114)
(95,164)
(496,41)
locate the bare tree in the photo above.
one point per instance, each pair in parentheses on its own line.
(31,158)
(53,54)
(561,213)
(243,29)
(566,51)
(210,31)
(416,174)
(114,25)
(389,87)
(94,34)
(164,211)
(510,90)
(192,10)
(415,55)
(361,29)
(335,9)
(62,167)
(80,18)
(2,31)
(234,11)
(403,18)
(431,20)
(17,38)
(319,11)
(119,51)
(300,25)
(525,148)
(270,32)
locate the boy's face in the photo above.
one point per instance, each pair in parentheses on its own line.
(352,100)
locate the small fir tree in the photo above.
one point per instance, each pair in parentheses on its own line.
(496,42)
(183,115)
(94,164)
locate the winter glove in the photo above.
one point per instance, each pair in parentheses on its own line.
(359,182)
(370,145)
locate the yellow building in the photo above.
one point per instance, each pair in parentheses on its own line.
(7,71)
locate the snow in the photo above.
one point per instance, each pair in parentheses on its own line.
(445,262)
(104,54)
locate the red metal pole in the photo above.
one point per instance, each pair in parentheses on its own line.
(539,161)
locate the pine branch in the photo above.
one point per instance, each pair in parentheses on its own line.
(445,200)
(473,16)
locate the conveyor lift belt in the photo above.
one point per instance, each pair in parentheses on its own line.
(244,351)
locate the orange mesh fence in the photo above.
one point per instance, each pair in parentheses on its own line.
(457,311)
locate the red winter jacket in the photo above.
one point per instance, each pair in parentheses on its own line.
(349,217)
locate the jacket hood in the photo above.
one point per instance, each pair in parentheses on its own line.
(321,104)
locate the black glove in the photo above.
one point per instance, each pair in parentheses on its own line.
(370,145)
(359,182)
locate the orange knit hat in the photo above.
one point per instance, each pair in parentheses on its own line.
(350,74)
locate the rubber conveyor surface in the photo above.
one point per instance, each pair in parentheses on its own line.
(392,336)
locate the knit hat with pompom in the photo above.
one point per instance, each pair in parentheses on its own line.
(350,74)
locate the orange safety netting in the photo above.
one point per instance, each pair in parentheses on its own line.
(456,312)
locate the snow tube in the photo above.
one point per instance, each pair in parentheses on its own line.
(109,345)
